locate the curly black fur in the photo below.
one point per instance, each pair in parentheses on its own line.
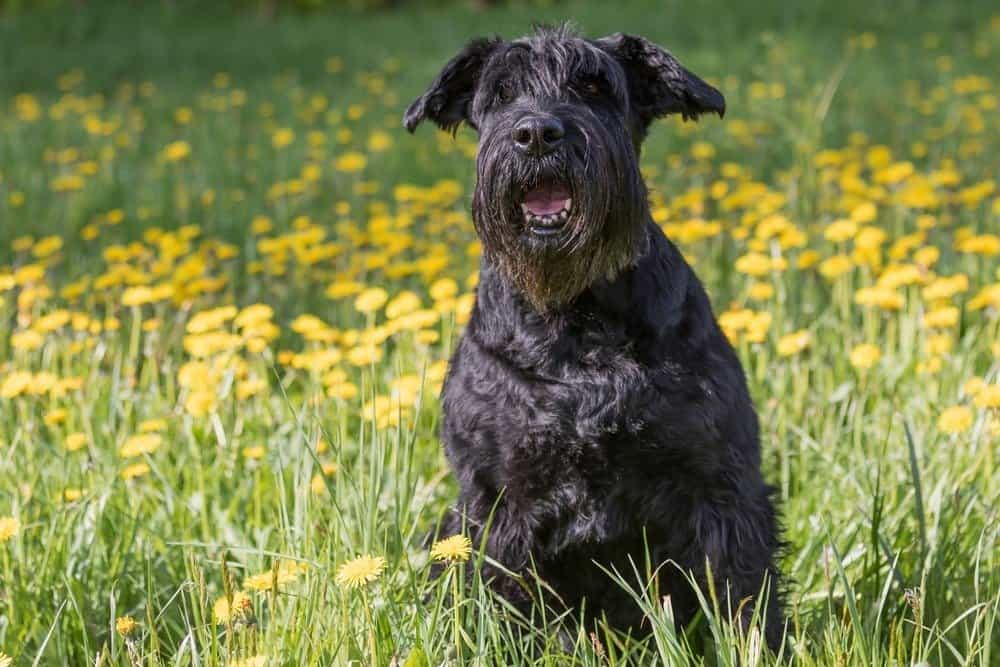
(593,410)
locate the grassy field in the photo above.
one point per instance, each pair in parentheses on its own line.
(229,285)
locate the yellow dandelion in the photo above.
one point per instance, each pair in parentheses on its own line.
(988,397)
(941,318)
(454,549)
(444,288)
(200,403)
(125,625)
(350,162)
(371,300)
(55,416)
(835,266)
(75,441)
(754,264)
(254,453)
(761,291)
(379,141)
(317,484)
(360,571)
(286,572)
(152,425)
(137,445)
(9,527)
(956,419)
(973,386)
(794,343)
(239,609)
(134,471)
(176,151)
(252,661)
(403,303)
(282,137)
(26,341)
(865,356)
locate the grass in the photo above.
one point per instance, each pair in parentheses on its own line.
(208,472)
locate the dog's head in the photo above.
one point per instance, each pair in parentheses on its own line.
(559,200)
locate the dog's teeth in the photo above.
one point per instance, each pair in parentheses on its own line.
(563,214)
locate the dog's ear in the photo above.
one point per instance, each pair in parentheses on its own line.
(447,100)
(658,84)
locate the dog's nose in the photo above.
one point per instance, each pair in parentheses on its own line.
(537,135)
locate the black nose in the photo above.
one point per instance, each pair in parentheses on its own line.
(537,135)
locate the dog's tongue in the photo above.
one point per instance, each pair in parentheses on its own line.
(547,200)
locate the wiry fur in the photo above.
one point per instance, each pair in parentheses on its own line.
(593,407)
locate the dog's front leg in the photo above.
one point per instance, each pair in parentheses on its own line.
(737,543)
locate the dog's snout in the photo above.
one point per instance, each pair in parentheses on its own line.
(537,135)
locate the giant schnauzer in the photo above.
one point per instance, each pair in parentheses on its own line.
(594,413)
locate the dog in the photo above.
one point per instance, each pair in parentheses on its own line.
(594,414)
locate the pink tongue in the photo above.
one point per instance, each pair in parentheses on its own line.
(546,202)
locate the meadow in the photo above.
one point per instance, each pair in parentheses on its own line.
(230,283)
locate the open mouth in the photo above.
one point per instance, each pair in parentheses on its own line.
(546,208)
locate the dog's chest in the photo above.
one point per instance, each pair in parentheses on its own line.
(568,433)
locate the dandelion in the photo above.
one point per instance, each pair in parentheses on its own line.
(252,661)
(201,403)
(152,425)
(865,356)
(370,300)
(973,386)
(26,341)
(350,162)
(403,303)
(835,267)
(125,625)
(954,420)
(137,445)
(941,318)
(238,609)
(254,453)
(176,151)
(282,137)
(794,343)
(880,297)
(754,264)
(988,397)
(360,571)
(135,471)
(454,549)
(9,528)
(286,572)
(317,484)
(75,441)
(760,291)
(379,141)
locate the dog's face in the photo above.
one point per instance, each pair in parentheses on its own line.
(559,201)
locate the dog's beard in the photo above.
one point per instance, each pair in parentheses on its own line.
(602,234)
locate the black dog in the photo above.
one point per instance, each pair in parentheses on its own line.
(594,411)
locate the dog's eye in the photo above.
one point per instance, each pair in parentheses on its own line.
(505,93)
(590,87)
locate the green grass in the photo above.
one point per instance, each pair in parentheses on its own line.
(890,514)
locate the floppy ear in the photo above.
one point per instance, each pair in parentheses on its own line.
(658,84)
(447,101)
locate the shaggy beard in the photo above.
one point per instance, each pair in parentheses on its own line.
(603,235)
